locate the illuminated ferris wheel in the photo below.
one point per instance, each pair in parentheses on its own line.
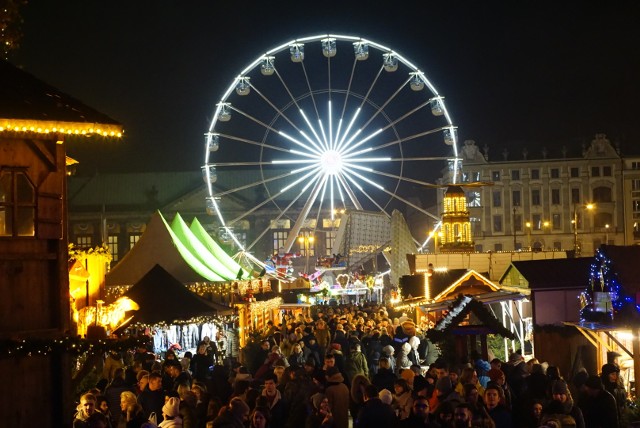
(322,124)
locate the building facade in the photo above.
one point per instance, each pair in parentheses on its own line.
(560,203)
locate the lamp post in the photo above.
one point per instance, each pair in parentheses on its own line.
(576,247)
(606,234)
(514,229)
(528,226)
(306,242)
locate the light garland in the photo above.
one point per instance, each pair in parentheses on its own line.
(71,345)
(54,127)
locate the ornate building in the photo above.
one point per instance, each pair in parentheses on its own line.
(552,203)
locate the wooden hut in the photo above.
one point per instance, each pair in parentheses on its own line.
(35,121)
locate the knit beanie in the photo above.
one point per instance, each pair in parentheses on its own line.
(172,407)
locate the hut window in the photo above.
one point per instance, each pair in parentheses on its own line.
(17,204)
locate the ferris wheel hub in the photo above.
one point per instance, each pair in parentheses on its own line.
(331,162)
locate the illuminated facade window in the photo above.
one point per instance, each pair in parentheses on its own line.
(279,239)
(84,241)
(17,204)
(329,240)
(133,239)
(112,243)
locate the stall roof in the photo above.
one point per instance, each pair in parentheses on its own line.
(485,298)
(552,273)
(164,299)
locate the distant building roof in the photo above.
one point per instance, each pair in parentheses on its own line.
(29,105)
(552,273)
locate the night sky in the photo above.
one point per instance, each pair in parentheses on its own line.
(538,75)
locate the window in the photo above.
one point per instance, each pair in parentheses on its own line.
(279,239)
(575,172)
(606,171)
(497,247)
(306,242)
(329,239)
(555,196)
(557,245)
(17,204)
(133,239)
(474,199)
(112,243)
(83,241)
(495,175)
(497,198)
(595,171)
(601,194)
(575,196)
(555,173)
(635,165)
(515,198)
(600,220)
(518,246)
(536,223)
(635,184)
(515,174)
(556,221)
(535,174)
(497,223)
(535,197)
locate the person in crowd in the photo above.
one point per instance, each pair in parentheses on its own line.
(463,416)
(260,418)
(177,375)
(443,392)
(403,361)
(201,363)
(562,406)
(320,415)
(274,400)
(443,415)
(102,406)
(338,394)
(132,415)
(85,409)
(356,363)
(151,399)
(516,373)
(610,375)
(493,399)
(420,415)
(385,377)
(388,353)
(202,402)
(171,414)
(374,413)
(111,364)
(114,391)
(233,416)
(533,414)
(403,400)
(296,359)
(188,402)
(323,336)
(598,406)
(358,385)
(468,376)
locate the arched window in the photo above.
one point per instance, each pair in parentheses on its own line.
(602,194)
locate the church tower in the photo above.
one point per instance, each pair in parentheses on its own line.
(456,227)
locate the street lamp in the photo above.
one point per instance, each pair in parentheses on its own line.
(606,234)
(306,242)
(528,226)
(576,247)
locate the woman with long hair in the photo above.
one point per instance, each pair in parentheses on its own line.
(132,414)
(260,417)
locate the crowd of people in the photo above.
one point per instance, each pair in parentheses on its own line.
(347,366)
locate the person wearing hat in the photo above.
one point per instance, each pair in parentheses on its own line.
(610,376)
(171,414)
(374,412)
(338,394)
(562,407)
(320,415)
(598,406)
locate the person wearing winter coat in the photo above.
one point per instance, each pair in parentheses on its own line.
(561,406)
(388,353)
(233,416)
(402,400)
(609,375)
(323,336)
(356,363)
(403,361)
(385,377)
(413,356)
(338,394)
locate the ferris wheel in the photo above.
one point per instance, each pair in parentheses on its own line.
(323,124)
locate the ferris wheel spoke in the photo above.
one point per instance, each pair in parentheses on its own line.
(365,193)
(261,182)
(273,197)
(285,210)
(386,174)
(318,142)
(349,154)
(255,143)
(282,114)
(344,105)
(399,198)
(349,191)
(304,213)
